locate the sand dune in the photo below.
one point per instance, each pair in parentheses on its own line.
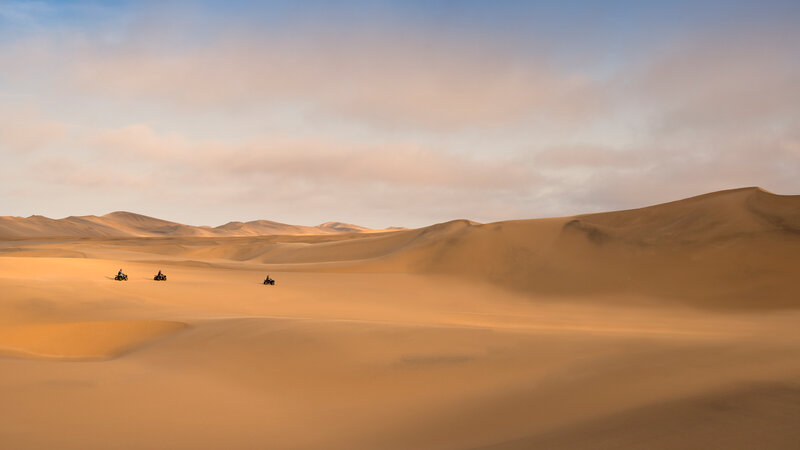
(266,228)
(728,249)
(731,249)
(128,224)
(671,326)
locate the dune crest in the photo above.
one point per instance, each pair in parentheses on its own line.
(128,224)
(732,248)
(714,216)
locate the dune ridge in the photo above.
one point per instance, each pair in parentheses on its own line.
(128,224)
(83,340)
(732,248)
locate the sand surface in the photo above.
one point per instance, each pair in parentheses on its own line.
(675,326)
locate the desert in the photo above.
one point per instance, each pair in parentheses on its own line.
(669,326)
(399,225)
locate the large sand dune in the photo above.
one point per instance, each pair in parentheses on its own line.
(672,326)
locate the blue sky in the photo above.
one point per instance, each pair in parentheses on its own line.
(391,113)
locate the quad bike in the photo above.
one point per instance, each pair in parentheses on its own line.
(269,281)
(122,277)
(160,277)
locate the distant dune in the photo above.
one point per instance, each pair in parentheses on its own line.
(266,228)
(127,224)
(734,248)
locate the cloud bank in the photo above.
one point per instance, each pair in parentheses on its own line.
(398,115)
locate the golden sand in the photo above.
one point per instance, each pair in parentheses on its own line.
(673,326)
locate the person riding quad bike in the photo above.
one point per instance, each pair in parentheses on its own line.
(160,276)
(121,276)
(269,281)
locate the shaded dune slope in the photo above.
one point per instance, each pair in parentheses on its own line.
(732,248)
(713,420)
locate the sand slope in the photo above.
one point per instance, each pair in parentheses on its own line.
(748,416)
(82,340)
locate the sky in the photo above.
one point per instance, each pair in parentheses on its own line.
(392,113)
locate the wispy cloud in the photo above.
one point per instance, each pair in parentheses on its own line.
(25,131)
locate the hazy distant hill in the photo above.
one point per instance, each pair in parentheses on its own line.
(123,223)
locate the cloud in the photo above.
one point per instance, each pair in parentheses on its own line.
(717,85)
(379,118)
(317,176)
(394,164)
(321,161)
(390,82)
(141,142)
(385,76)
(66,172)
(26,131)
(589,156)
